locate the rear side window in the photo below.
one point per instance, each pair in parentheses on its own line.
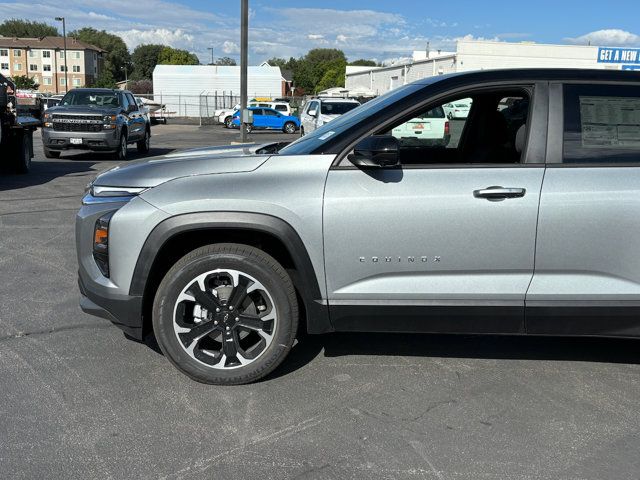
(601,124)
(281,108)
(335,108)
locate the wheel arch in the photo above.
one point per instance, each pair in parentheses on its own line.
(178,235)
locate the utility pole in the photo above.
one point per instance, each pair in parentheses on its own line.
(64,36)
(244,61)
(211,49)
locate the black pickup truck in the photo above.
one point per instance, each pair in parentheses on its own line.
(97,119)
(17,125)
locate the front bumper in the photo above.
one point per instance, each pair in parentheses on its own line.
(106,140)
(124,311)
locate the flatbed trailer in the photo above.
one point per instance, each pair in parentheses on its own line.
(17,124)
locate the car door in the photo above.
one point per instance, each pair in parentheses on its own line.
(587,276)
(272,119)
(307,120)
(428,246)
(135,123)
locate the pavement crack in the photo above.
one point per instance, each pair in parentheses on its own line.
(49,331)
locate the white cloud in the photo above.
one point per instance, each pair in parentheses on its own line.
(611,37)
(342,38)
(315,36)
(230,47)
(173,38)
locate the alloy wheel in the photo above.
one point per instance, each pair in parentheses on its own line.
(225,319)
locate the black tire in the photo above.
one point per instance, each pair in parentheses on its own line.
(121,152)
(227,122)
(22,153)
(207,262)
(144,144)
(51,153)
(302,131)
(289,127)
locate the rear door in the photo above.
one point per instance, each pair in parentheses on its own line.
(587,276)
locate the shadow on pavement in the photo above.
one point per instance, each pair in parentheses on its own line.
(131,155)
(494,347)
(44,172)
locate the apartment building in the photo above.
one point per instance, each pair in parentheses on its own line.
(43,60)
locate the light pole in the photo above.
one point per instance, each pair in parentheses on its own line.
(64,36)
(211,49)
(126,77)
(244,61)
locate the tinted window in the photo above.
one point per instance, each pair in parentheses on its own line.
(272,113)
(281,108)
(335,108)
(601,124)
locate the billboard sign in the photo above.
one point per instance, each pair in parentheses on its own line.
(629,56)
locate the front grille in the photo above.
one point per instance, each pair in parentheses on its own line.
(92,118)
(77,127)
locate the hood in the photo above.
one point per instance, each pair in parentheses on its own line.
(201,161)
(327,118)
(84,110)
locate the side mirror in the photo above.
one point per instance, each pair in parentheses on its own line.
(377,151)
(313,113)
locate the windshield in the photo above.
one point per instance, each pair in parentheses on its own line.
(313,141)
(91,99)
(335,108)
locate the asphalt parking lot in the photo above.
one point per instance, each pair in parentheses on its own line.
(79,400)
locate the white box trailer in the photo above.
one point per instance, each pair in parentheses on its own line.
(197,90)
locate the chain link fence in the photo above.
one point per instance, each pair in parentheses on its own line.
(202,108)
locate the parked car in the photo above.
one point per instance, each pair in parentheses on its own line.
(268,119)
(458,110)
(320,111)
(430,128)
(225,116)
(225,253)
(98,119)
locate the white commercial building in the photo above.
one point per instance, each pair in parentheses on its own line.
(197,90)
(483,55)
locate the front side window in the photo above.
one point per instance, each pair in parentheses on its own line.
(271,113)
(131,101)
(601,124)
(46,54)
(481,128)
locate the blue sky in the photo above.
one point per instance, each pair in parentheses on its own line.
(380,30)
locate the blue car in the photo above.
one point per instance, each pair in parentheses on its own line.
(269,119)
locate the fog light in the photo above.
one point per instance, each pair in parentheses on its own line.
(101,243)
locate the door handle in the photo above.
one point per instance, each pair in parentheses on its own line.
(499,193)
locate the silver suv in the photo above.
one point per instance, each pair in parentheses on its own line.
(525,222)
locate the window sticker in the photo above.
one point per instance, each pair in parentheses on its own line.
(327,135)
(610,122)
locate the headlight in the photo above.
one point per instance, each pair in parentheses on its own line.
(109,122)
(101,243)
(47,121)
(99,194)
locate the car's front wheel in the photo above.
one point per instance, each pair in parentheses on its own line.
(144,144)
(121,152)
(227,122)
(226,314)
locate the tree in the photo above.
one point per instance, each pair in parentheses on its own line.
(117,58)
(105,80)
(226,61)
(144,59)
(141,86)
(313,69)
(25,28)
(175,56)
(363,63)
(25,83)
(279,62)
